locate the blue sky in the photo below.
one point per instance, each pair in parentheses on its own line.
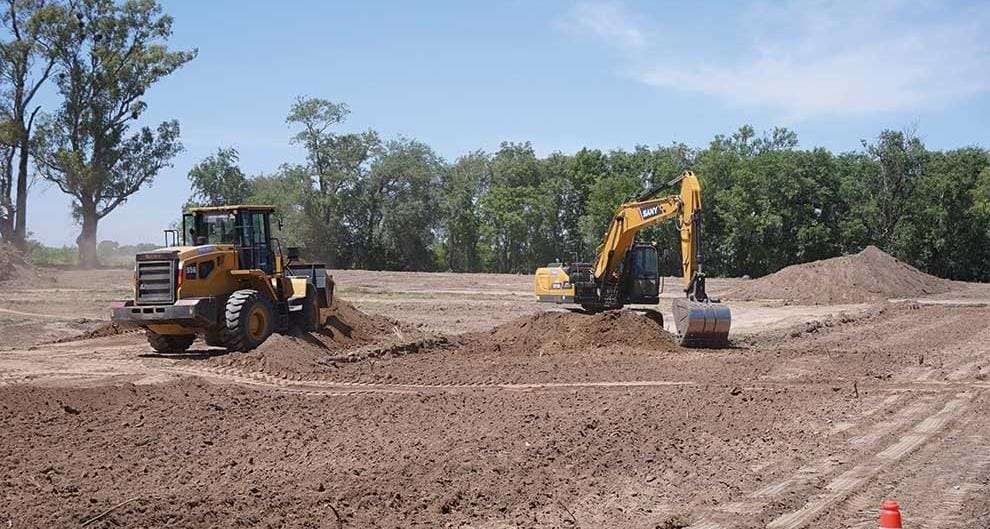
(462,76)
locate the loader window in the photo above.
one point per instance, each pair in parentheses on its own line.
(217,228)
(256,251)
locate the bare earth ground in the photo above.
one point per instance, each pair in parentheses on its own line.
(816,415)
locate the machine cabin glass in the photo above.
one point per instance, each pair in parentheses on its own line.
(255,241)
(214,228)
(248,230)
(644,282)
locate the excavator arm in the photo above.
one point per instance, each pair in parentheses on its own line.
(599,286)
(649,210)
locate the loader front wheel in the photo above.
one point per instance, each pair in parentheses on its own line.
(168,343)
(249,320)
(215,339)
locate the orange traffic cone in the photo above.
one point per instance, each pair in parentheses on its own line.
(890,515)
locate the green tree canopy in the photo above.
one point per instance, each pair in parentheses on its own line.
(217,180)
(110,60)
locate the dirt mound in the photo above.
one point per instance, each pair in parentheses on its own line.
(555,332)
(105,329)
(345,328)
(351,337)
(870,275)
(14,266)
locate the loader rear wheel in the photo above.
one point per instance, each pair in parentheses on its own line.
(168,343)
(249,320)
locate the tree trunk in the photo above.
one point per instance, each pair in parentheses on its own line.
(20,221)
(87,238)
(6,204)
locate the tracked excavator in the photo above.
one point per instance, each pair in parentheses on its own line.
(626,271)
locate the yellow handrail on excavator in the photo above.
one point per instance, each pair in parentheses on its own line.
(626,272)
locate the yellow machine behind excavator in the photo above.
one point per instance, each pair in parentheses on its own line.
(626,272)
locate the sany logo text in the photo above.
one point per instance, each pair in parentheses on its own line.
(649,212)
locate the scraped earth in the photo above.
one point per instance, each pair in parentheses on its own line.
(500,412)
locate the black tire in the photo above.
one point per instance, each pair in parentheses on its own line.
(249,320)
(215,339)
(308,319)
(169,343)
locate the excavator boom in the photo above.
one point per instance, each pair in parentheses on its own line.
(617,276)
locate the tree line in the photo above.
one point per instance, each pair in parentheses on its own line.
(361,200)
(99,57)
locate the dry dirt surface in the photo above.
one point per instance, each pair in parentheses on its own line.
(496,412)
(871,275)
(15,269)
(39,305)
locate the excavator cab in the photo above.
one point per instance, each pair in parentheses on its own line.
(643,277)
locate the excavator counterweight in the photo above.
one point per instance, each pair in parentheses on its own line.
(626,272)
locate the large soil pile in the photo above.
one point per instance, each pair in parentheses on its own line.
(554,332)
(345,329)
(870,275)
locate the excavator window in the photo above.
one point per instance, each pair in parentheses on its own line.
(642,284)
(644,262)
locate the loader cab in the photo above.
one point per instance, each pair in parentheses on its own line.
(643,277)
(247,228)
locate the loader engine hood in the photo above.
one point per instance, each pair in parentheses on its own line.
(183,252)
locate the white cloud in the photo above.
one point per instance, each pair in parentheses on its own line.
(608,21)
(808,58)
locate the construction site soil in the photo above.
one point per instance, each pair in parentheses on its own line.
(495,412)
(15,269)
(871,275)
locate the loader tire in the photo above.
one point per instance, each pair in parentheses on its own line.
(249,320)
(215,339)
(168,343)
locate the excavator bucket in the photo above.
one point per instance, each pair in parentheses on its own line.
(702,323)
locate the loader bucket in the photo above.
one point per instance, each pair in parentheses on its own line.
(702,323)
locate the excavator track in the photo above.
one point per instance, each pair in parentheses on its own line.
(702,323)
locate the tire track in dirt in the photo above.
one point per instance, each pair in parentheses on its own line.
(256,378)
(293,382)
(933,483)
(109,361)
(976,459)
(757,504)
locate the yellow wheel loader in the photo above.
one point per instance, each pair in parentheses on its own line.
(626,272)
(225,278)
